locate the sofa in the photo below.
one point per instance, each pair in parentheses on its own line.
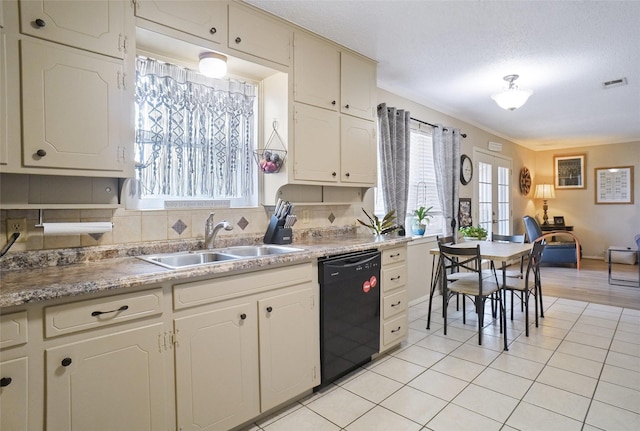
(566,252)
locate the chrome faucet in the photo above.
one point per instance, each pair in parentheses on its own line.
(211,230)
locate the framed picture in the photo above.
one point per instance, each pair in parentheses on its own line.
(464,213)
(558,220)
(569,171)
(614,185)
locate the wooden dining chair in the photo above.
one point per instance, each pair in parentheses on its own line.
(530,285)
(476,287)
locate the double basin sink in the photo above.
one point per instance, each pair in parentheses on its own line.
(207,257)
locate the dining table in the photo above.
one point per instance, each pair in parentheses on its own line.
(495,251)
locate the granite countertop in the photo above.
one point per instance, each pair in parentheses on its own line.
(22,286)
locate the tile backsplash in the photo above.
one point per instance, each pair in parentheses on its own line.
(162,225)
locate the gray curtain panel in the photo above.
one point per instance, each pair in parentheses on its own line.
(446,158)
(394,137)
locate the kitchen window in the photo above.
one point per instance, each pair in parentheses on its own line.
(423,188)
(195,136)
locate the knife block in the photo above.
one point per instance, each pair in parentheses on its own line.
(277,233)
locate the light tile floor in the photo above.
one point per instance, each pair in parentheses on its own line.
(579,370)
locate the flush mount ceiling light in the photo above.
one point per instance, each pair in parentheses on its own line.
(511,98)
(213,65)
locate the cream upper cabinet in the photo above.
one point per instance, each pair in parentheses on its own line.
(14,393)
(205,19)
(97,26)
(257,34)
(317,144)
(287,346)
(217,367)
(358,151)
(4,137)
(357,86)
(74,108)
(112,382)
(316,66)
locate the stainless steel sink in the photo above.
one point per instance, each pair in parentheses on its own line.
(259,250)
(207,257)
(181,260)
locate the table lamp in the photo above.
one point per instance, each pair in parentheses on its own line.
(545,192)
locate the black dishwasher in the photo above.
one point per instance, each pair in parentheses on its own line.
(349,312)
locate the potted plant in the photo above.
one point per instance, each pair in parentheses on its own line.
(473,233)
(420,220)
(380,227)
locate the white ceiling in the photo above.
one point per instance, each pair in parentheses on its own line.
(452,55)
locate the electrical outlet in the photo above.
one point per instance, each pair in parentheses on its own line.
(17,225)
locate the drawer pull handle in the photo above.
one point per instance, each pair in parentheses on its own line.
(269,309)
(40,23)
(394,255)
(396,304)
(395,278)
(66,362)
(213,30)
(5,381)
(98,313)
(395,330)
(243,316)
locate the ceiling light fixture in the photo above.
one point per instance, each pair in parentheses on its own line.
(213,65)
(511,98)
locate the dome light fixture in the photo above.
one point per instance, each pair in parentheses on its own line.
(512,98)
(213,65)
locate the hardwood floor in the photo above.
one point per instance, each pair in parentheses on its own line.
(590,283)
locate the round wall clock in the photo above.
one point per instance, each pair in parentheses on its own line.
(525,181)
(466,169)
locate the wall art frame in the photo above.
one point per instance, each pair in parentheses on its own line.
(569,171)
(464,212)
(614,185)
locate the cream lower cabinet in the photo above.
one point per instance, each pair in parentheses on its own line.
(239,357)
(14,394)
(112,382)
(394,319)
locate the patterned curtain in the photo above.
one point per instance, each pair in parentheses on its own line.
(194,135)
(394,137)
(446,158)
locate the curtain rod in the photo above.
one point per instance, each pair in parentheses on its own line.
(464,135)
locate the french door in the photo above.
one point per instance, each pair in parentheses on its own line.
(493,192)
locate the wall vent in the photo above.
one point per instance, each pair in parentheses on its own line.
(614,83)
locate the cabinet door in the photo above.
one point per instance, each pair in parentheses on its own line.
(13,395)
(287,366)
(316,68)
(258,35)
(73,103)
(4,139)
(207,20)
(114,382)
(358,149)
(358,86)
(96,26)
(317,144)
(217,368)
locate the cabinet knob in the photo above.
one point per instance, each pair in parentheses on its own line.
(213,30)
(238,39)
(243,316)
(40,23)
(347,175)
(269,309)
(41,153)
(66,362)
(346,106)
(333,174)
(5,381)
(333,102)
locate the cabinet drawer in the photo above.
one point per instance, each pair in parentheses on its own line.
(394,255)
(207,291)
(13,329)
(394,304)
(395,330)
(393,277)
(79,316)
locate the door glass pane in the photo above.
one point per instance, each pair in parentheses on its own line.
(503,200)
(485,198)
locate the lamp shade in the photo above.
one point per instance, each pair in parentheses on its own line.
(544,191)
(512,98)
(213,65)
